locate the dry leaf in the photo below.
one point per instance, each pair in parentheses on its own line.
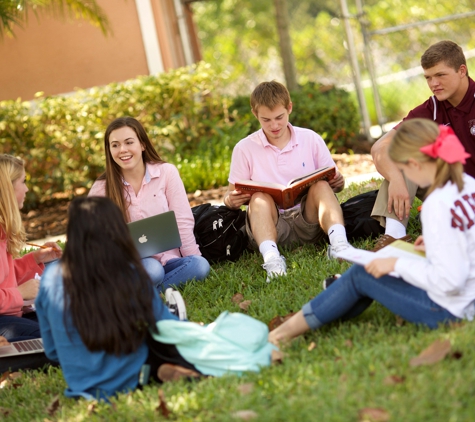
(245,415)
(162,405)
(245,305)
(237,298)
(4,411)
(7,379)
(399,321)
(311,346)
(53,406)
(348,343)
(370,414)
(91,408)
(278,320)
(275,322)
(246,388)
(276,356)
(343,377)
(437,351)
(393,380)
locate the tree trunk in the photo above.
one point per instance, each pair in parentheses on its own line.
(285,44)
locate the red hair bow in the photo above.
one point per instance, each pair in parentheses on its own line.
(446,147)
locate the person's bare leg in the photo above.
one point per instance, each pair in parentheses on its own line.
(293,327)
(263,217)
(322,206)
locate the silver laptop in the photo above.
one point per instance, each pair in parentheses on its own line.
(155,234)
(23,347)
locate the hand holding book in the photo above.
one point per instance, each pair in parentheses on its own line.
(290,195)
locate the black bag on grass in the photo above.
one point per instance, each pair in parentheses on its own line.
(220,232)
(357,215)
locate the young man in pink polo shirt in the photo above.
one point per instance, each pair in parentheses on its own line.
(279,152)
(453,104)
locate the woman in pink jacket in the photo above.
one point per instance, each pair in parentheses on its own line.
(17,275)
(143,185)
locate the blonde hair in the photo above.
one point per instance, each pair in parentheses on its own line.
(410,137)
(11,169)
(269,94)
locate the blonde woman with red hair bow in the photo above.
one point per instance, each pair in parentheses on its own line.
(430,291)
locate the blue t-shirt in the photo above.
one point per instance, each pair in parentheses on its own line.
(93,375)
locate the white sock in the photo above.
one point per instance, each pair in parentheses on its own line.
(269,250)
(395,228)
(337,234)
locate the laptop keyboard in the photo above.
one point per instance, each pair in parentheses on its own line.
(28,345)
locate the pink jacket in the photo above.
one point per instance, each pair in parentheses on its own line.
(14,272)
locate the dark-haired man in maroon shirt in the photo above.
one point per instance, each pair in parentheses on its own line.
(453,104)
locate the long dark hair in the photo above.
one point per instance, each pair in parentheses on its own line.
(106,289)
(113,174)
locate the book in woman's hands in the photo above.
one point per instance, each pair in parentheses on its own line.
(290,195)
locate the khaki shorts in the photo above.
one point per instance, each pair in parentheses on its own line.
(292,229)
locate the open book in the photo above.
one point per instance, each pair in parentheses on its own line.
(290,195)
(397,249)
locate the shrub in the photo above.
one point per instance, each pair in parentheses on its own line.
(329,111)
(189,122)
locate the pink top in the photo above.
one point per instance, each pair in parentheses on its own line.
(254,158)
(14,272)
(162,190)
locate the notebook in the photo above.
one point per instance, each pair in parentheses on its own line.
(23,347)
(155,234)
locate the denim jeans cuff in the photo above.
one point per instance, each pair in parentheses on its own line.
(310,318)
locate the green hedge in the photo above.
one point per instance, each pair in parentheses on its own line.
(329,111)
(189,122)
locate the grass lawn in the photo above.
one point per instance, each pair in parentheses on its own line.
(357,370)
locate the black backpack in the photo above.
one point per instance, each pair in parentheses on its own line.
(357,215)
(220,232)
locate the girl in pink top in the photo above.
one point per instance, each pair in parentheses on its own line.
(17,275)
(143,185)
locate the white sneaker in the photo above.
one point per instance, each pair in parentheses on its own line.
(276,267)
(175,303)
(334,249)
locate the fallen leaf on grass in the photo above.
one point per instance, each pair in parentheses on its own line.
(393,380)
(370,414)
(237,298)
(276,356)
(8,379)
(311,346)
(278,320)
(162,405)
(399,321)
(246,388)
(53,406)
(348,343)
(91,408)
(437,351)
(245,415)
(4,411)
(245,305)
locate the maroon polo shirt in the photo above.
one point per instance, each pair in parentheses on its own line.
(461,119)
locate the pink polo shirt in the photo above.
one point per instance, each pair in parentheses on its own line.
(162,190)
(254,158)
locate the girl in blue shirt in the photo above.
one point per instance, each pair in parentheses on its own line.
(97,304)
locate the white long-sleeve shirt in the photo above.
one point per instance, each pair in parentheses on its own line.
(448,272)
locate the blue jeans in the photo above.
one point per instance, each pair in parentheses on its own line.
(177,271)
(355,290)
(15,328)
